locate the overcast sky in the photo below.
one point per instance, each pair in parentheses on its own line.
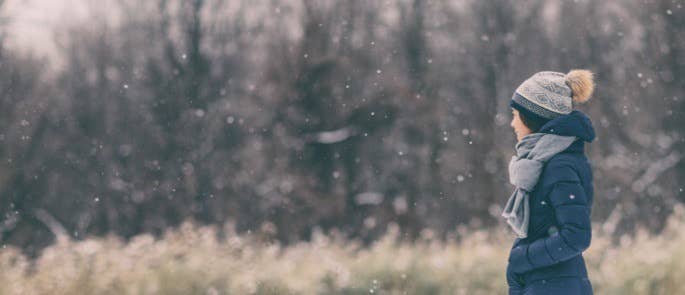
(31,22)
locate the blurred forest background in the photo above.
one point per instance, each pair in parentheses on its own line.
(289,117)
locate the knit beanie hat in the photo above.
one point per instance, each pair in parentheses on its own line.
(547,95)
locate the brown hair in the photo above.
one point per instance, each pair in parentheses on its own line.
(533,125)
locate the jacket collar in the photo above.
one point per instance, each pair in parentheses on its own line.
(574,124)
(577,124)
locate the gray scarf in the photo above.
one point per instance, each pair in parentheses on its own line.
(524,170)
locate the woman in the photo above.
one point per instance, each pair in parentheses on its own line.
(550,207)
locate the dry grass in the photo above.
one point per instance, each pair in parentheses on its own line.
(192,260)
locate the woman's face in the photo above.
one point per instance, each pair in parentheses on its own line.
(520,129)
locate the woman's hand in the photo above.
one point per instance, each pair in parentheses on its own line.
(513,279)
(518,260)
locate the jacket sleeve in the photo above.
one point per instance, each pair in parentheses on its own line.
(572,210)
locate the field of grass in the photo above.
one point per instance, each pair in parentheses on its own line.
(192,260)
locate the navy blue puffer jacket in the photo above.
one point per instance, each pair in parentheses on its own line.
(559,230)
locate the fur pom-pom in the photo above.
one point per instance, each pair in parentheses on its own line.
(582,85)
